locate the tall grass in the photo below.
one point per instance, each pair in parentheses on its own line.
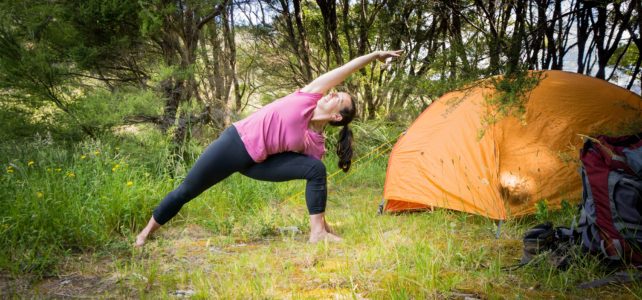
(58,201)
(57,198)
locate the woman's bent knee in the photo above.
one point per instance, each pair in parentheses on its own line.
(317,170)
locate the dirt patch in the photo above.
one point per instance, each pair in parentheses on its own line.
(190,231)
(85,275)
(73,286)
(76,286)
(10,286)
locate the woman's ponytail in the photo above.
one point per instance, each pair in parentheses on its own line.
(344,143)
(344,148)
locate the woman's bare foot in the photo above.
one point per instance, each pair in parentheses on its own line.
(140,240)
(152,226)
(320,230)
(328,228)
(324,236)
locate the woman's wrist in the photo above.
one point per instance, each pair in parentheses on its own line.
(376,55)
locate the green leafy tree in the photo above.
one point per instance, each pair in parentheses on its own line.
(54,52)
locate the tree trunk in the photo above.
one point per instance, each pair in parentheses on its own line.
(551,54)
(606,45)
(218,76)
(558,59)
(582,35)
(329,13)
(304,45)
(346,27)
(230,44)
(171,86)
(178,40)
(514,52)
(296,39)
(599,32)
(637,40)
(495,36)
(457,41)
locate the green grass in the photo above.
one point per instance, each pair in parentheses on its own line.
(57,227)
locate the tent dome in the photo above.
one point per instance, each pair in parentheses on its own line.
(453,157)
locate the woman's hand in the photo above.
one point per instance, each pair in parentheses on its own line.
(382,56)
(330,79)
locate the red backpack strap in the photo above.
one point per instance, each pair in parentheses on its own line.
(612,158)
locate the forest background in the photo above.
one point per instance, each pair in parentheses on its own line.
(105,104)
(185,64)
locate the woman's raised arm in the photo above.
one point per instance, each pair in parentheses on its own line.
(330,79)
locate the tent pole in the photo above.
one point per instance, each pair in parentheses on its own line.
(380,210)
(499,228)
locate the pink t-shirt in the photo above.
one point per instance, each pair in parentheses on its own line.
(282,126)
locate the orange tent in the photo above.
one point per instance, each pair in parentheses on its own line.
(452,157)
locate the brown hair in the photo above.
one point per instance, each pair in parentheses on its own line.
(344,143)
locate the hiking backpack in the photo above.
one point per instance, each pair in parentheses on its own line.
(611,210)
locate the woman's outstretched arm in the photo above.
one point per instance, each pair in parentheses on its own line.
(328,80)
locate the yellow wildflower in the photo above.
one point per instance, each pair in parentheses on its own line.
(116,166)
(58,169)
(48,169)
(96,152)
(9,170)
(83,156)
(39,194)
(30,163)
(71,174)
(129,183)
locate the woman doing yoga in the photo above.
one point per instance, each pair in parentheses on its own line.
(281,141)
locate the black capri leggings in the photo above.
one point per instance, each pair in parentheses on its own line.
(228,155)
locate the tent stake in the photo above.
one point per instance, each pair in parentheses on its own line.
(499,229)
(380,210)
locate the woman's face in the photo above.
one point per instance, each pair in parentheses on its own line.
(333,103)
